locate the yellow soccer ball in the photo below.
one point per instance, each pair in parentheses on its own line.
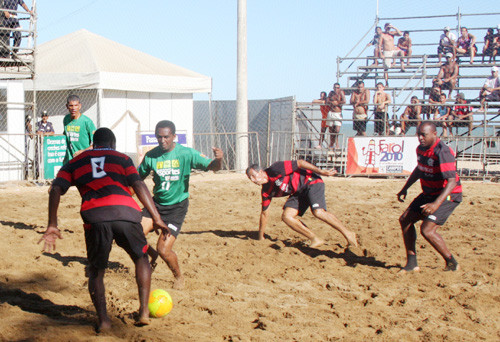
(160,303)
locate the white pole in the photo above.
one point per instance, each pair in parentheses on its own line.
(241,91)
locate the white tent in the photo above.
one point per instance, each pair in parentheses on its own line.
(120,87)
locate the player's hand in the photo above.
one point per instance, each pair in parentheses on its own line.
(429,208)
(161,227)
(218,154)
(401,195)
(329,173)
(49,237)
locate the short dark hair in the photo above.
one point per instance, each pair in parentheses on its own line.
(429,123)
(405,32)
(335,84)
(380,83)
(165,124)
(255,167)
(72,98)
(414,97)
(104,137)
(361,82)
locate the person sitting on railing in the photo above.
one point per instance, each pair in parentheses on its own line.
(442,117)
(10,20)
(448,73)
(336,99)
(389,50)
(374,42)
(446,43)
(381,100)
(488,45)
(462,114)
(404,44)
(491,88)
(411,114)
(324,108)
(466,44)
(360,99)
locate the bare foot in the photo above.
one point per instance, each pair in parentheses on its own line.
(405,270)
(143,320)
(178,283)
(104,326)
(316,242)
(352,239)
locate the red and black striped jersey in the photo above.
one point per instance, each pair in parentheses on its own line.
(103,177)
(286,178)
(437,164)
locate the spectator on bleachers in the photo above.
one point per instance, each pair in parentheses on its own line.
(404,44)
(442,116)
(389,50)
(336,99)
(374,42)
(360,99)
(411,113)
(381,100)
(466,44)
(491,88)
(434,98)
(488,45)
(448,73)
(462,114)
(446,43)
(496,44)
(395,126)
(324,108)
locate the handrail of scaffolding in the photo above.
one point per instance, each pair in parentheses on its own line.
(439,16)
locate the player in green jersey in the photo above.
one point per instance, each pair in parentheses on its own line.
(78,129)
(171,164)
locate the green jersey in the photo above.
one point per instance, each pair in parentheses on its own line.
(78,134)
(171,171)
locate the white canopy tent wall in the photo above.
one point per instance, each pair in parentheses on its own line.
(114,81)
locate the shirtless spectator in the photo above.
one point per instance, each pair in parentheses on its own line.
(389,50)
(381,101)
(374,42)
(335,100)
(411,116)
(442,116)
(466,44)
(496,44)
(324,108)
(491,88)
(446,43)
(434,98)
(404,44)
(489,43)
(462,113)
(448,73)
(360,99)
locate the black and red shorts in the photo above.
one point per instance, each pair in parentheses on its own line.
(99,239)
(440,216)
(312,196)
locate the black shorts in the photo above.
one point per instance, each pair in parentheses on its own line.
(444,49)
(440,216)
(99,239)
(359,125)
(446,86)
(312,196)
(173,215)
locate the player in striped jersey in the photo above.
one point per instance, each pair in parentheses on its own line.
(109,212)
(441,194)
(301,181)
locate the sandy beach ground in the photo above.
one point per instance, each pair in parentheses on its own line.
(240,289)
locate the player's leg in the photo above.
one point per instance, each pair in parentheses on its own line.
(334,222)
(143,280)
(289,216)
(407,221)
(147,226)
(98,296)
(164,247)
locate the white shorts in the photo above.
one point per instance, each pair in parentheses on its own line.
(333,119)
(495,96)
(388,56)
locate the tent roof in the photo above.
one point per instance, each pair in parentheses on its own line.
(88,61)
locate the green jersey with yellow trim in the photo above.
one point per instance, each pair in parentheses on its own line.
(171,171)
(79,134)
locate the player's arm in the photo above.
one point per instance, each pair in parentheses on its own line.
(308,166)
(216,163)
(144,196)
(415,175)
(263,222)
(430,208)
(52,233)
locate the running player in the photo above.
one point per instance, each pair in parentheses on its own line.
(109,212)
(300,181)
(441,194)
(171,164)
